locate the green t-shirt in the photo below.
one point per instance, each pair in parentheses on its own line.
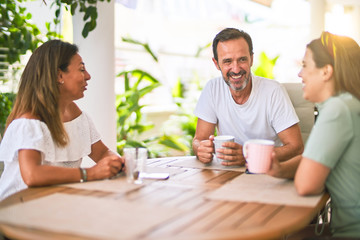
(335,142)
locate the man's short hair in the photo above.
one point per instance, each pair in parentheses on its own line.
(230,34)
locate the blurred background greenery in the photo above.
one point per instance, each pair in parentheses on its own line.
(162,56)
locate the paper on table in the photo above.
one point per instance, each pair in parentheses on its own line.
(93,217)
(117,185)
(192,162)
(171,171)
(264,189)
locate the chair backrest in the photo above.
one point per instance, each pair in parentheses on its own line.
(304,109)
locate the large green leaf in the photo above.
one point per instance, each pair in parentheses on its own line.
(172,141)
(178,89)
(144,45)
(266,66)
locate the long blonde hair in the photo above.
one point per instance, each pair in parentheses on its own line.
(343,53)
(39,89)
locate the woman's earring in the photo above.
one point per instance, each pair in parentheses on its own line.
(62,82)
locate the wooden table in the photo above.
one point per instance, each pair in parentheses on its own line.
(200,218)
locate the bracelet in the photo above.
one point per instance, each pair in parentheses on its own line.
(83,174)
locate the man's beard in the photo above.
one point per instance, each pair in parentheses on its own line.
(243,85)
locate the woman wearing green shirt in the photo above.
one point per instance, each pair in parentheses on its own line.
(331,159)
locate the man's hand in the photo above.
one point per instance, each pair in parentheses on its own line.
(232,154)
(205,150)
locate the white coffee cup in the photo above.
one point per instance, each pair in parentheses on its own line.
(257,153)
(219,140)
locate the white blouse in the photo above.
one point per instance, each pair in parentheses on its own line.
(34,134)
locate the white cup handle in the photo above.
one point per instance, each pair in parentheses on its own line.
(245,150)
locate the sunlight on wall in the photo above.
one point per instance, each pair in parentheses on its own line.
(67,26)
(339,21)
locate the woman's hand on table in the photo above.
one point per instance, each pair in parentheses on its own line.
(275,167)
(285,169)
(107,167)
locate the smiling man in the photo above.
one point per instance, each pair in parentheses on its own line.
(243,105)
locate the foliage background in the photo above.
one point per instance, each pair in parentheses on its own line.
(19,36)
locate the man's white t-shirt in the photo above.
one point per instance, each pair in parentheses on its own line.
(267,112)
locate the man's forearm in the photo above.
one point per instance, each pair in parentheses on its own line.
(288,151)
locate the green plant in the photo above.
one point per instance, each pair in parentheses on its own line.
(6,102)
(144,45)
(18,36)
(130,121)
(87,7)
(202,48)
(184,118)
(185,98)
(131,124)
(265,66)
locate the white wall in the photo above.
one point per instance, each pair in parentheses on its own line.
(98,53)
